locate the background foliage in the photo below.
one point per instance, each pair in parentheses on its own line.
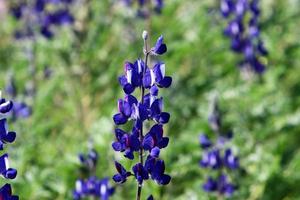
(76,104)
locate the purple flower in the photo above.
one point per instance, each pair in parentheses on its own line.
(154,138)
(91,185)
(211,185)
(6,193)
(122,175)
(211,159)
(6,137)
(127,143)
(241,7)
(161,80)
(21,110)
(220,185)
(155,152)
(156,168)
(204,141)
(148,109)
(39,5)
(80,190)
(17,11)
(5,106)
(150,197)
(224,186)
(155,77)
(6,172)
(226,7)
(255,7)
(244,32)
(61,17)
(104,190)
(230,160)
(35,14)
(253,28)
(132,77)
(216,157)
(46,32)
(160,47)
(234,28)
(125,108)
(140,173)
(158,6)
(154,108)
(261,48)
(90,160)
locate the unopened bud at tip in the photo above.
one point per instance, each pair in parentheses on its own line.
(145,35)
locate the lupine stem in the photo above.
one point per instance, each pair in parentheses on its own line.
(139,192)
(140,186)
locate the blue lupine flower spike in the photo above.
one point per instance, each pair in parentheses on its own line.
(217,157)
(244,33)
(91,186)
(36,16)
(6,136)
(149,108)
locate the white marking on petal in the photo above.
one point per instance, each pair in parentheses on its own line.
(103,189)
(135,113)
(78,186)
(240,7)
(89,185)
(129,75)
(231,159)
(213,160)
(224,6)
(163,69)
(235,28)
(6,162)
(139,66)
(152,77)
(152,99)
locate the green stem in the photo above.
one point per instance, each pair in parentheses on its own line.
(141,136)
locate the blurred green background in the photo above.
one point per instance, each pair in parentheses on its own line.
(76,104)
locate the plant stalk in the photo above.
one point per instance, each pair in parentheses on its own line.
(141,136)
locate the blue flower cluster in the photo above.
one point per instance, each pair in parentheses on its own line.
(218,157)
(43,15)
(92,186)
(6,137)
(144,5)
(20,108)
(148,80)
(243,30)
